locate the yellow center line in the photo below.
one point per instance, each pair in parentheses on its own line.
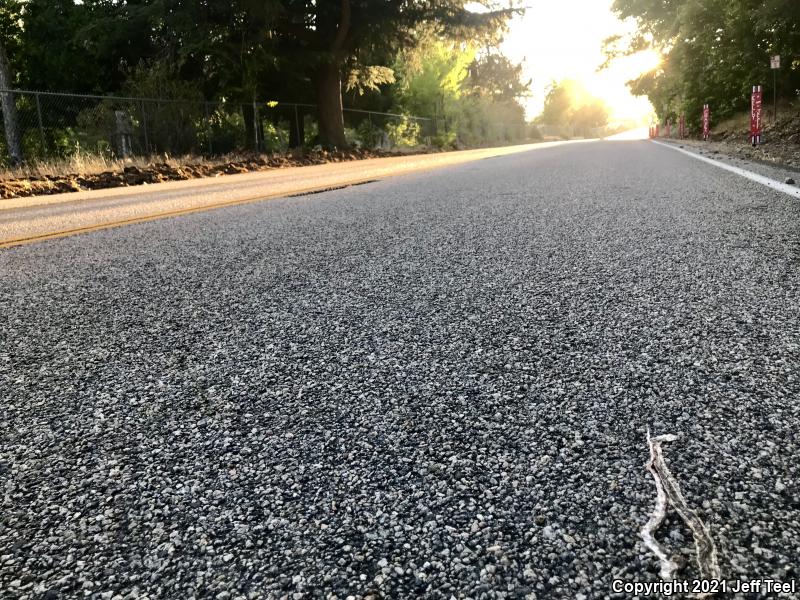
(381,170)
(184,211)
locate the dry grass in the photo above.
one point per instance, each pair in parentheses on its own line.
(740,122)
(93,164)
(737,122)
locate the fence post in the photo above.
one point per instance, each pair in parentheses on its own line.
(208,129)
(144,126)
(300,142)
(41,126)
(255,124)
(243,109)
(755,116)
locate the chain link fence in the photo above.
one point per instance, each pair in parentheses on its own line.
(57,125)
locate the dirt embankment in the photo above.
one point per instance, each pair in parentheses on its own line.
(781,142)
(159,172)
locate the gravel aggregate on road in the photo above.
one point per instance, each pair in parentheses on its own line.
(431,386)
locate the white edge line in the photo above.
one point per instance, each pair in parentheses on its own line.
(770,183)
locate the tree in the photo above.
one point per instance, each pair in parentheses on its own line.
(590,115)
(439,77)
(82,47)
(8,101)
(713,51)
(9,35)
(249,48)
(293,51)
(569,103)
(326,37)
(431,76)
(494,76)
(558,105)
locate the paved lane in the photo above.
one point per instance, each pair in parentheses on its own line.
(434,385)
(33,219)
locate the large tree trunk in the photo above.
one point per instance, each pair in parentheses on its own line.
(9,106)
(328,82)
(329,105)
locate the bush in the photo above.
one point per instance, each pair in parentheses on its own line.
(174,121)
(534,133)
(445,140)
(351,136)
(93,132)
(275,136)
(403,132)
(368,135)
(222,132)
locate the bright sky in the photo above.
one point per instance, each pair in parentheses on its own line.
(562,39)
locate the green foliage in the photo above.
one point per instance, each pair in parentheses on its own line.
(79,47)
(403,132)
(183,52)
(569,104)
(713,51)
(172,120)
(445,140)
(430,77)
(94,132)
(11,26)
(495,76)
(483,121)
(275,137)
(223,131)
(323,37)
(368,135)
(534,133)
(558,106)
(467,94)
(368,78)
(311,131)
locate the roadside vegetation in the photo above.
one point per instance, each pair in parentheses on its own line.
(434,59)
(713,52)
(570,110)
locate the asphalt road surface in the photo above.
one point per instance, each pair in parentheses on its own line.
(40,217)
(436,385)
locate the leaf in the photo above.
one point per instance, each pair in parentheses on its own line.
(361,79)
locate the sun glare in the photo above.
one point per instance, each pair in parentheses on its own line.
(563,40)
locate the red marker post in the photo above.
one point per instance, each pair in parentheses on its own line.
(706,122)
(755,116)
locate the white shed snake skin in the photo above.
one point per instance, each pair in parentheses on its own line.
(668,493)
